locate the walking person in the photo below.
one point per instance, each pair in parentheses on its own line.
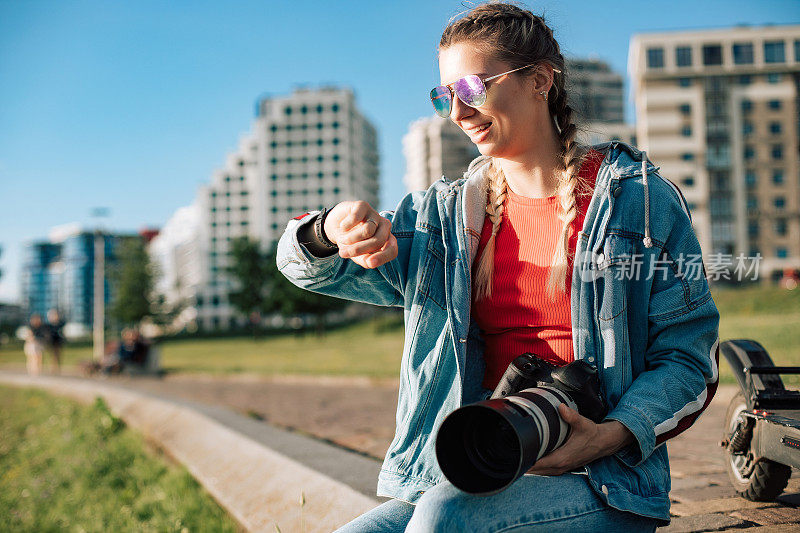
(36,338)
(545,246)
(55,337)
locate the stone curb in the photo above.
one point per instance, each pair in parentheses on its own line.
(259,487)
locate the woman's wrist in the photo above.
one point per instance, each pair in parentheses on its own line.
(615,436)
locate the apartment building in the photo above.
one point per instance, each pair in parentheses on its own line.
(307,150)
(594,91)
(435,147)
(718,111)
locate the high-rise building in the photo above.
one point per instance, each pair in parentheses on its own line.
(435,147)
(59,273)
(594,91)
(179,255)
(305,151)
(718,111)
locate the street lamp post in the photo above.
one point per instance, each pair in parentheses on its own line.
(98,322)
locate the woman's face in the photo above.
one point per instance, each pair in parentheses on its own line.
(506,125)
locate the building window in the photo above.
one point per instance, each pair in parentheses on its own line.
(688,181)
(688,156)
(750,179)
(752,229)
(777,152)
(749,152)
(683,56)
(335,141)
(777,176)
(781,253)
(774,128)
(745,79)
(227,178)
(774,105)
(752,202)
(773,52)
(747,105)
(743,53)
(686,109)
(797,50)
(304,109)
(712,55)
(774,77)
(287,110)
(780,227)
(779,202)
(686,131)
(747,127)
(655,58)
(684,82)
(335,108)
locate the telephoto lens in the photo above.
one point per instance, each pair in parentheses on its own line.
(484,447)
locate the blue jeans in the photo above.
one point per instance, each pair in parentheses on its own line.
(532,503)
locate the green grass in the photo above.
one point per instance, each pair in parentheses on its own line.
(769,315)
(69,467)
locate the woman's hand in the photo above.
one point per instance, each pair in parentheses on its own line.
(587,441)
(361,233)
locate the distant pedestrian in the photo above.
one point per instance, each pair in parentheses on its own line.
(55,337)
(35,341)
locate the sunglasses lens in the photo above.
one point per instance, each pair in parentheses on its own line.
(442,100)
(471,90)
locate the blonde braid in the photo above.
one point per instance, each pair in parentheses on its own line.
(496,183)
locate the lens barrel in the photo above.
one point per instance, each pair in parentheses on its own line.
(484,447)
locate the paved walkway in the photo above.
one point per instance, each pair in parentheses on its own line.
(352,421)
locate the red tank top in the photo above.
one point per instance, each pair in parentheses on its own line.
(519,317)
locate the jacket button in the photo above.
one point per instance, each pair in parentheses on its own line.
(604,490)
(600,258)
(616,191)
(590,359)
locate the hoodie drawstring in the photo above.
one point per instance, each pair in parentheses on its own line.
(648,242)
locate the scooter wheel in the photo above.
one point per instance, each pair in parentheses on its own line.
(760,482)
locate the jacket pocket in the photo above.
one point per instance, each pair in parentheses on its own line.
(616,264)
(432,284)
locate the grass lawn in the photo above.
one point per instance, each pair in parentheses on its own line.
(70,467)
(769,315)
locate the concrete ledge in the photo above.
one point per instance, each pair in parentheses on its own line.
(259,487)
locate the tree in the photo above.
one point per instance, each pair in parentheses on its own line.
(290,300)
(133,276)
(250,271)
(260,288)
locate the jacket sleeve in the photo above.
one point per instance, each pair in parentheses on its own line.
(682,355)
(343,278)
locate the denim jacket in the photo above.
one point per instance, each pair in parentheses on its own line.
(642,313)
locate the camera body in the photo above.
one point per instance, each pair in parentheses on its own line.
(484,447)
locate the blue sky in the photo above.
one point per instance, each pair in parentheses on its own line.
(131,105)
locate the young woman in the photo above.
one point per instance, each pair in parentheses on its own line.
(546,247)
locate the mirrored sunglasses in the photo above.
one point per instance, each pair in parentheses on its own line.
(470,89)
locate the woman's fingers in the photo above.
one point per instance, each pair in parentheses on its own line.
(387,253)
(369,237)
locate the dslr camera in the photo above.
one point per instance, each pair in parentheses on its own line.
(484,447)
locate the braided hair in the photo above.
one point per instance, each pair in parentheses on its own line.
(519,38)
